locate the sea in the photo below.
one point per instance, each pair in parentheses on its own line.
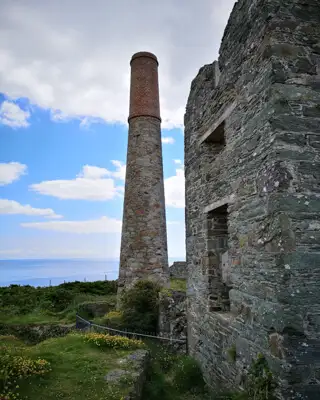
(52,272)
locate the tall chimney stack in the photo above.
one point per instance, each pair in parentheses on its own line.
(144,254)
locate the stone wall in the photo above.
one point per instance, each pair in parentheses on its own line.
(252,162)
(134,371)
(178,270)
(173,316)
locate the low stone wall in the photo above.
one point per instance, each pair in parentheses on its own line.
(173,316)
(178,270)
(35,333)
(93,309)
(134,369)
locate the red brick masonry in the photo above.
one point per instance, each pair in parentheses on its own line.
(144,90)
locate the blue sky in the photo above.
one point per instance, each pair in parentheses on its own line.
(64,90)
(77,172)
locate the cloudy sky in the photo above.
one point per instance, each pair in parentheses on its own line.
(64,91)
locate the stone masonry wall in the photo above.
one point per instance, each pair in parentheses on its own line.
(144,239)
(252,162)
(178,270)
(173,317)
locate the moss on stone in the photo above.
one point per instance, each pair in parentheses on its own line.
(232,353)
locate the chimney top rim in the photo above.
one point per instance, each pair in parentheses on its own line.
(145,54)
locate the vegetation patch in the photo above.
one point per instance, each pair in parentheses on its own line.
(114,342)
(113,319)
(260,384)
(232,353)
(57,304)
(178,284)
(140,307)
(14,368)
(60,368)
(173,376)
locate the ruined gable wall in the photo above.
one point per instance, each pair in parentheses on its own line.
(269,79)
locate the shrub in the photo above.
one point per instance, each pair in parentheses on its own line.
(115,342)
(260,383)
(140,308)
(187,375)
(114,319)
(58,299)
(14,368)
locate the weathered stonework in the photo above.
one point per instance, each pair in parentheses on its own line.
(173,317)
(133,372)
(178,270)
(144,237)
(252,162)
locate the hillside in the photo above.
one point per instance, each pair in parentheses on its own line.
(28,304)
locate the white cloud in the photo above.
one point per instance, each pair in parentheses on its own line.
(92,183)
(102,225)
(13,207)
(92,172)
(73,57)
(10,172)
(167,140)
(12,115)
(120,172)
(178,162)
(174,189)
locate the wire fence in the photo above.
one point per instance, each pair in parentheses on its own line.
(83,324)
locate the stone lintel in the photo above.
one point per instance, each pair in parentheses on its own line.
(219,203)
(227,112)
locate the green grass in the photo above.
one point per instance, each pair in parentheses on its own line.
(78,369)
(178,284)
(30,318)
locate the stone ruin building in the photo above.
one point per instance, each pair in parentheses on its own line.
(144,236)
(252,169)
(178,270)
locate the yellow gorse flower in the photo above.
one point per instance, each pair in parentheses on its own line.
(116,342)
(13,367)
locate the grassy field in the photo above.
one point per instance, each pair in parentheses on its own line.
(77,369)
